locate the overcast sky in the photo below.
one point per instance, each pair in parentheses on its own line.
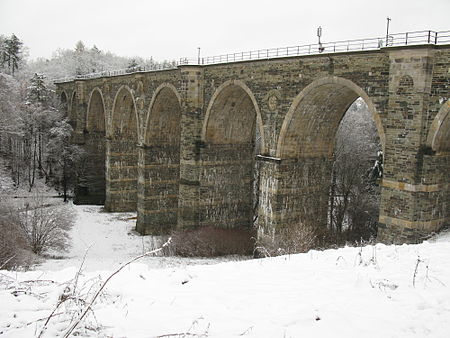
(171,29)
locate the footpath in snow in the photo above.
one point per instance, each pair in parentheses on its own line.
(373,291)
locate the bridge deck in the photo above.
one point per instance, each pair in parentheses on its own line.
(359,45)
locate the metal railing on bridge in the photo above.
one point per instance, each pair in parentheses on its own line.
(108,73)
(392,40)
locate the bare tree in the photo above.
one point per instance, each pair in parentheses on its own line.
(353,195)
(44,227)
(13,245)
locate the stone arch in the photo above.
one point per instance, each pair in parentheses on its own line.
(124,119)
(310,111)
(64,98)
(163,115)
(405,85)
(72,114)
(439,135)
(306,145)
(230,130)
(405,88)
(226,90)
(90,188)
(95,120)
(159,169)
(122,153)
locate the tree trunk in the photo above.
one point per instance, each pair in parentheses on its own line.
(64,182)
(33,165)
(332,193)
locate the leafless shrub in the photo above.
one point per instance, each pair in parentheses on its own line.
(211,242)
(354,192)
(14,249)
(291,239)
(43,227)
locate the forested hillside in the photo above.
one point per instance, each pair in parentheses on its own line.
(35,135)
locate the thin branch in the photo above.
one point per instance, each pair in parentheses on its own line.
(79,270)
(88,307)
(182,334)
(416,270)
(7,261)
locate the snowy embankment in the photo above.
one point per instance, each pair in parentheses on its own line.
(374,291)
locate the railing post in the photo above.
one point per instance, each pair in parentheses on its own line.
(406,39)
(429,36)
(309,49)
(435,37)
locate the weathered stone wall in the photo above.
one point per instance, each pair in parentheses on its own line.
(226,189)
(189,202)
(293,106)
(159,171)
(411,204)
(121,175)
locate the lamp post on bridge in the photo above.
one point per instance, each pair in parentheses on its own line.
(319,35)
(387,30)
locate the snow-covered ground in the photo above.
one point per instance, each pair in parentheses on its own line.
(108,240)
(374,291)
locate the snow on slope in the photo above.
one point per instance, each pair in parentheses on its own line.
(348,292)
(109,239)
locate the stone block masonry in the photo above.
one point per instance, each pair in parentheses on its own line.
(181,145)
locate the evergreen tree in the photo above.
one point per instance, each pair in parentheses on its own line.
(11,53)
(38,117)
(38,91)
(3,55)
(80,47)
(132,65)
(64,157)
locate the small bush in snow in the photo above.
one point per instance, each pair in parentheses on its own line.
(44,227)
(14,249)
(211,242)
(13,246)
(291,239)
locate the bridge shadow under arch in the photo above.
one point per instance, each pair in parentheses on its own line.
(159,164)
(122,153)
(73,108)
(437,162)
(90,187)
(64,103)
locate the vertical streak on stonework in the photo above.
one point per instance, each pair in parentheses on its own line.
(414,200)
(122,154)
(190,146)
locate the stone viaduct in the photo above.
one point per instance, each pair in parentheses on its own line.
(180,145)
